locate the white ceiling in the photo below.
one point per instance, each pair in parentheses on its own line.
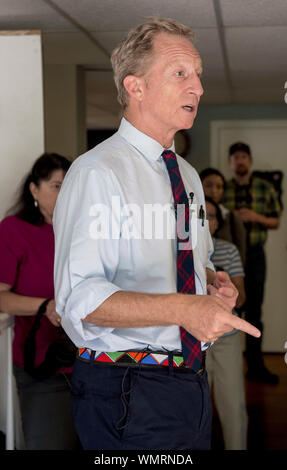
(243,43)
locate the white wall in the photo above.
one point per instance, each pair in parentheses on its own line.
(21,109)
(21,139)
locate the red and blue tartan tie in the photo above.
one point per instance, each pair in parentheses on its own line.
(191,347)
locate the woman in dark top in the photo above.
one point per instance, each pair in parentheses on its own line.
(232,229)
(26,281)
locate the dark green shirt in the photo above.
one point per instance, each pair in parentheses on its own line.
(259,196)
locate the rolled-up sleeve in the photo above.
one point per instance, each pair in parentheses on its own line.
(87,235)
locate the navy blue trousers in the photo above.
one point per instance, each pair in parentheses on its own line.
(140,408)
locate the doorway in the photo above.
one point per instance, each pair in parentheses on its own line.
(268,142)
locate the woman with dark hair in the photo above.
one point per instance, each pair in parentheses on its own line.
(224,360)
(26,285)
(232,229)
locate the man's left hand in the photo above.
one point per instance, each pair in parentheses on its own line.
(223,288)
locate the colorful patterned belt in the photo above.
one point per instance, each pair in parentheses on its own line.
(126,358)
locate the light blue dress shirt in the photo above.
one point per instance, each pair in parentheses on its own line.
(123,175)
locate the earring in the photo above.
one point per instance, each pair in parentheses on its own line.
(35,203)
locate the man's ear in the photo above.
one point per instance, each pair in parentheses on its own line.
(134,86)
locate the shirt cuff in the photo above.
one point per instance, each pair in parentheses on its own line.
(84,299)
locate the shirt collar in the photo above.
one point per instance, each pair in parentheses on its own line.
(147,146)
(245,185)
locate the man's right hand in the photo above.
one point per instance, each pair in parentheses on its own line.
(209,317)
(206,317)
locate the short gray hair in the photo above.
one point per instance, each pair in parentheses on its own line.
(131,56)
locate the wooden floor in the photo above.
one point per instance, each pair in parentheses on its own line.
(266,408)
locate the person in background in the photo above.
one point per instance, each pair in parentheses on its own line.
(254,200)
(224,360)
(232,229)
(26,283)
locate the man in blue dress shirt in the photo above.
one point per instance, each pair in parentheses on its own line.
(116,261)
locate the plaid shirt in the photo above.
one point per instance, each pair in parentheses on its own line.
(259,196)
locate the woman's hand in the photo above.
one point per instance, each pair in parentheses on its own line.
(51,313)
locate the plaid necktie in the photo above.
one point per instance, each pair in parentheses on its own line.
(191,347)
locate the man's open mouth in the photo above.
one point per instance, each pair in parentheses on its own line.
(188,108)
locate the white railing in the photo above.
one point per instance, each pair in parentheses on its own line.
(7,389)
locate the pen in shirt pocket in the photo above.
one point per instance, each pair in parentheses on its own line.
(201,215)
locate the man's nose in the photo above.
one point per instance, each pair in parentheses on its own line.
(197,85)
